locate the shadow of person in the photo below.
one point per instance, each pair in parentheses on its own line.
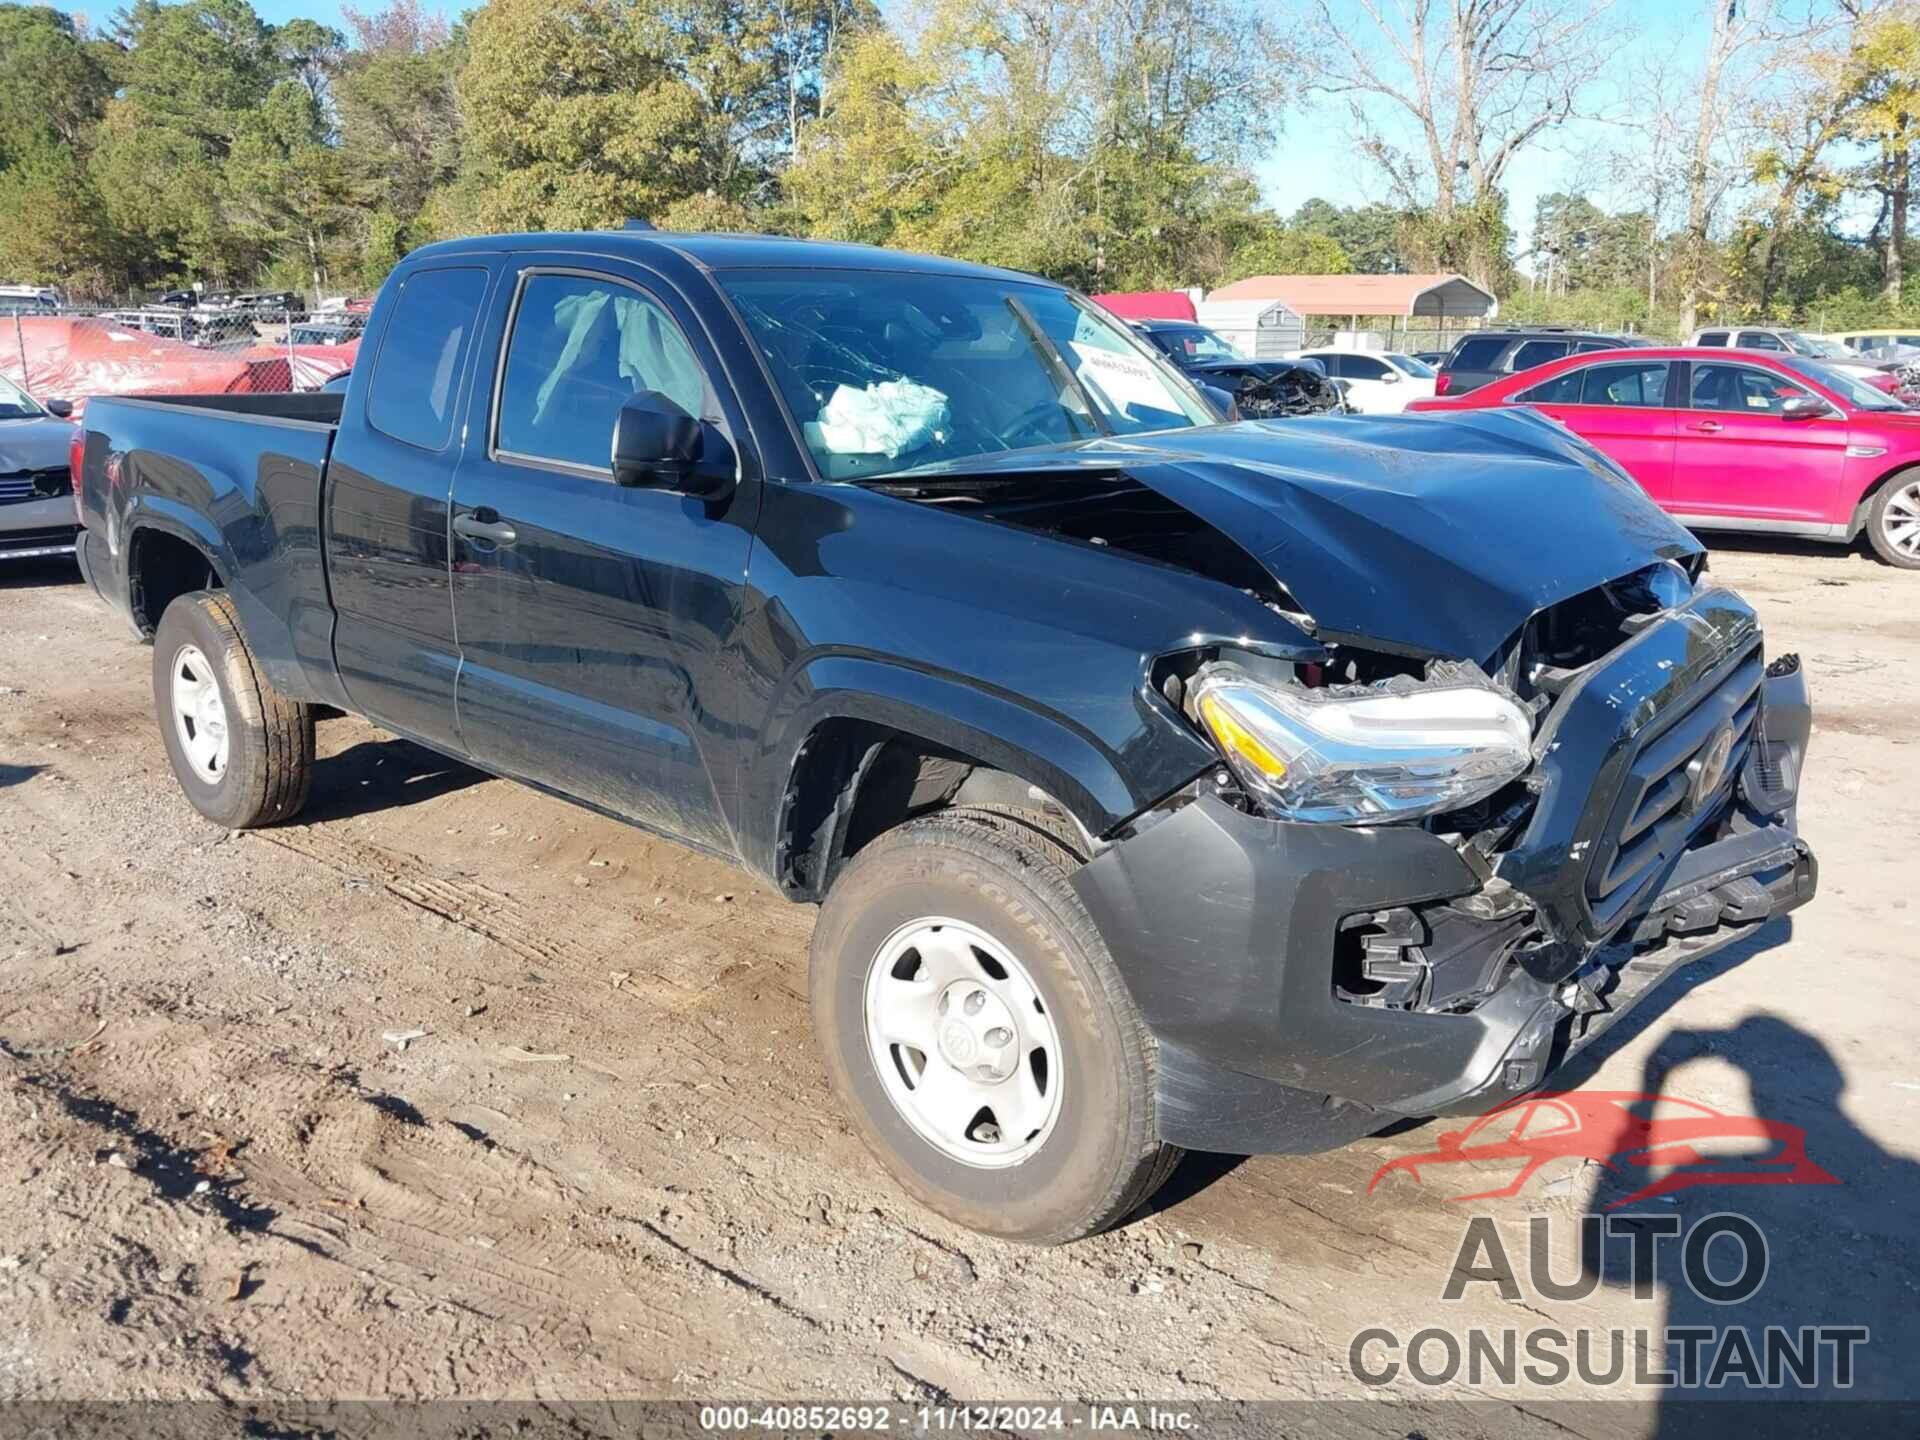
(382,775)
(1839,1252)
(1582,1067)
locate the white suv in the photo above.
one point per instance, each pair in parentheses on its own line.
(1377,382)
(1790,342)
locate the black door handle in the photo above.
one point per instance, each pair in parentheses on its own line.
(484,524)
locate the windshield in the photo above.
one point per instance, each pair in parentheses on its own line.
(1406,364)
(1193,342)
(1850,388)
(886,372)
(15,403)
(1814,345)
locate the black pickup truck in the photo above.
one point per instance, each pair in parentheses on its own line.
(1164,783)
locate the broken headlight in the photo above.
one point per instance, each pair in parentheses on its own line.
(1356,755)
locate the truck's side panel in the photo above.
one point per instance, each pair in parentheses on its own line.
(593,640)
(248,502)
(387,493)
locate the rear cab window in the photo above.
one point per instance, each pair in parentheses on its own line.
(416,376)
(1712,337)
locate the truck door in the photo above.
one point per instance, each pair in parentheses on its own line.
(593,617)
(388,484)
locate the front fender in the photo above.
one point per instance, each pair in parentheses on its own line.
(1098,786)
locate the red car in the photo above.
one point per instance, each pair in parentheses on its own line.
(1738,439)
(1627,1132)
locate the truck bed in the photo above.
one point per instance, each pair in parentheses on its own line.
(317,407)
(236,479)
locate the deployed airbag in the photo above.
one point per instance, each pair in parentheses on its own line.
(890,418)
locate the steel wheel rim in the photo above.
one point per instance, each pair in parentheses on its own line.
(1900,520)
(939,993)
(199,714)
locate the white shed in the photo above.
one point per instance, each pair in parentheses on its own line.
(1258,329)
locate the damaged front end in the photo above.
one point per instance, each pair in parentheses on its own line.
(1276,390)
(1416,887)
(1499,761)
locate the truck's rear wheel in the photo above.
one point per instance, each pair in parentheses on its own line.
(242,752)
(980,1034)
(1893,521)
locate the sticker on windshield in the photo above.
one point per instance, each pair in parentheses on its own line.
(1125,381)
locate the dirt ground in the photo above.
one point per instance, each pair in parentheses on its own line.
(611,1165)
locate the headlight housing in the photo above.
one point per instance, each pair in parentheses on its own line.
(1353,756)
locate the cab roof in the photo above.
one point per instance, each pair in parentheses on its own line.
(726,252)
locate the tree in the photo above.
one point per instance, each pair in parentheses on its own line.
(399,123)
(1743,39)
(1289,252)
(54,84)
(1444,94)
(1100,143)
(575,117)
(286,187)
(1369,234)
(756,68)
(1877,89)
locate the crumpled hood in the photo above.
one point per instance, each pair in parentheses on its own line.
(1266,369)
(37,444)
(1437,534)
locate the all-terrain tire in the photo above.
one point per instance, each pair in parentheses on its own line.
(1893,520)
(1007,878)
(268,767)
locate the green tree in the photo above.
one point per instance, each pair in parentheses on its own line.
(575,117)
(54,84)
(286,188)
(1099,144)
(399,123)
(1290,252)
(1370,234)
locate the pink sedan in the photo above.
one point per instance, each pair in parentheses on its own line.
(1738,439)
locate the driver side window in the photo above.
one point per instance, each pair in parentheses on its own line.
(1742,389)
(580,348)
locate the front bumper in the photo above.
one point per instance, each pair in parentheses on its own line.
(1225,926)
(32,529)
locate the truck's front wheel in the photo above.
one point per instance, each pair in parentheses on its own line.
(242,752)
(980,1034)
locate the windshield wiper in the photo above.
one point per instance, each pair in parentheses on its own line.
(1056,364)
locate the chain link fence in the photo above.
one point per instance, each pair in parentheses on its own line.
(71,353)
